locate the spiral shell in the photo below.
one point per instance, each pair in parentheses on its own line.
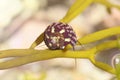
(58,35)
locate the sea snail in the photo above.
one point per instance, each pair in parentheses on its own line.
(58,35)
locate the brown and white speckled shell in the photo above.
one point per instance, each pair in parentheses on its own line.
(58,35)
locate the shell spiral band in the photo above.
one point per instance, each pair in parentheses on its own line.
(58,35)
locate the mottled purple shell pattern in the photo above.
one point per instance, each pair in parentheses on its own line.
(58,35)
